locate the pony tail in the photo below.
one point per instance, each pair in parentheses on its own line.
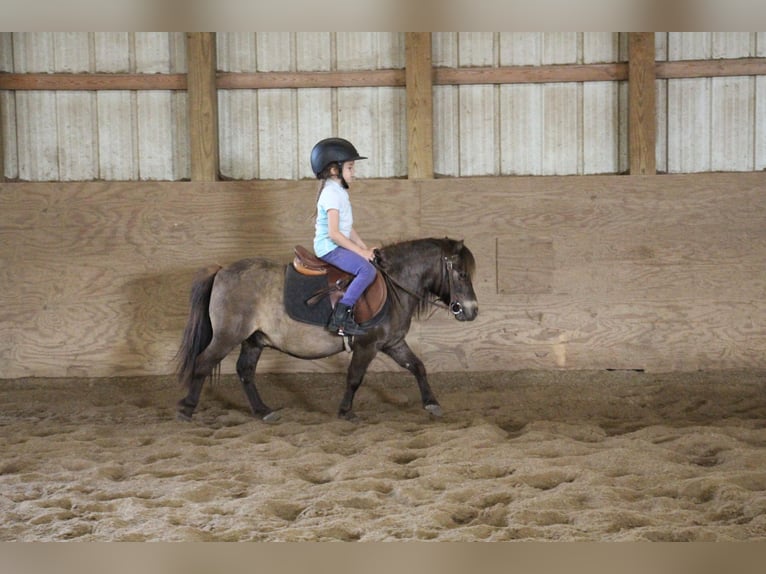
(199,330)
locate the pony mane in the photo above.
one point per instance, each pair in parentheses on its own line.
(398,258)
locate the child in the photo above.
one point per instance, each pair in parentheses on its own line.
(335,240)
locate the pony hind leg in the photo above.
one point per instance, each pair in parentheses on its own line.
(403,355)
(204,365)
(246,364)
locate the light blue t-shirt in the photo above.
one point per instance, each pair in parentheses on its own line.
(333,196)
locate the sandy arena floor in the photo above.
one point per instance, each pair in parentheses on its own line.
(523,455)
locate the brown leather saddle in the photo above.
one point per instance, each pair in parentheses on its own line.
(369,304)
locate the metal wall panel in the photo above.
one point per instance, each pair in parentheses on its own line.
(269,134)
(706,124)
(712,123)
(10,161)
(82,135)
(534,129)
(163,149)
(760,107)
(117,138)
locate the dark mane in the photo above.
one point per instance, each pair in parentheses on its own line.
(403,259)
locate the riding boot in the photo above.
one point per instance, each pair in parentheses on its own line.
(342,322)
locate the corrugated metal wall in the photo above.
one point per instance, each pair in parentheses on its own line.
(268,134)
(711,124)
(708,124)
(109,135)
(532,129)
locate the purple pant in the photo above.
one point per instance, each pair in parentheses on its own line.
(363,271)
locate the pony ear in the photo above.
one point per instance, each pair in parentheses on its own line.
(459,246)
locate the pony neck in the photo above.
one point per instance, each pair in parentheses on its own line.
(417,267)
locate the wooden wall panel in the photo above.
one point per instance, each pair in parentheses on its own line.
(656,273)
(632,274)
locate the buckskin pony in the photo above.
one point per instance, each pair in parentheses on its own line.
(243,304)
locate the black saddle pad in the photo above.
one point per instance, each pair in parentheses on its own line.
(300,288)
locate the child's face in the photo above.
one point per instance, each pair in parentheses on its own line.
(348,171)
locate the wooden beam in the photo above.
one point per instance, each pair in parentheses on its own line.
(531,74)
(272,80)
(711,68)
(90,82)
(642,117)
(203,106)
(2,150)
(418,74)
(381,78)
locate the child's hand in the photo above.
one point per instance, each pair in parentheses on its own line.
(369,254)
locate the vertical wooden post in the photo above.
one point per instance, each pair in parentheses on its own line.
(419,82)
(642,122)
(2,152)
(203,105)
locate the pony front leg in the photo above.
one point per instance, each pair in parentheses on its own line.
(403,355)
(360,361)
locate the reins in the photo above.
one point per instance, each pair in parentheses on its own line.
(454,307)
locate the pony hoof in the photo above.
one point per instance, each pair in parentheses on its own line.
(434,410)
(183,417)
(272,417)
(349,416)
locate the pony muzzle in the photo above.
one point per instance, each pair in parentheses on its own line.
(464,312)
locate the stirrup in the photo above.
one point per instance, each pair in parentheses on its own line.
(348,330)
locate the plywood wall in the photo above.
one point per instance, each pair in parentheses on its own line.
(703,124)
(592,272)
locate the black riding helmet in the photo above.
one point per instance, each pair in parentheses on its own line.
(332,150)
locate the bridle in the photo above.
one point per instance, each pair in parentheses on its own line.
(455,307)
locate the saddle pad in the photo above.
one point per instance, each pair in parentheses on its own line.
(300,288)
